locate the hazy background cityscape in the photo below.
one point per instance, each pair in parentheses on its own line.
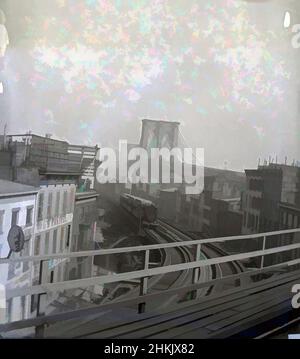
(88,71)
(77,76)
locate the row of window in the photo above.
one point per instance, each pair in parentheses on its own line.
(289,220)
(15,212)
(252,202)
(54,246)
(258,223)
(53,204)
(253,222)
(256,184)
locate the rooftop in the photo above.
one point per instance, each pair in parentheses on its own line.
(8,188)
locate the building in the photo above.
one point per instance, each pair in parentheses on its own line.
(17,207)
(168,204)
(53,233)
(59,170)
(267,187)
(225,217)
(86,233)
(30,158)
(289,216)
(214,212)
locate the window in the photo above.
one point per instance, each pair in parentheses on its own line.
(72,200)
(11,271)
(68,236)
(23,307)
(52,277)
(57,204)
(81,215)
(284,218)
(256,203)
(62,277)
(54,241)
(15,217)
(47,243)
(290,220)
(251,220)
(1,221)
(49,205)
(29,214)
(33,304)
(9,305)
(59,274)
(257,222)
(62,239)
(245,218)
(26,254)
(65,199)
(40,206)
(37,245)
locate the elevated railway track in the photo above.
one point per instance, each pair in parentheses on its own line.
(233,312)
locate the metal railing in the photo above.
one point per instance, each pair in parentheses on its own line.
(147,271)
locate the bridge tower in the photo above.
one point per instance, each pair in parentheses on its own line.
(158,134)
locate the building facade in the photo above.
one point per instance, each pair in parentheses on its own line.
(266,188)
(53,232)
(62,175)
(85,235)
(205,213)
(17,208)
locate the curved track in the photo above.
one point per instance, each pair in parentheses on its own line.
(206,273)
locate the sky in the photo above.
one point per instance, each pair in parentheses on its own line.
(88,71)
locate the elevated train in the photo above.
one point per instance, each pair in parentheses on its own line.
(143,210)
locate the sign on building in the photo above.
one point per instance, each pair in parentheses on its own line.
(16,239)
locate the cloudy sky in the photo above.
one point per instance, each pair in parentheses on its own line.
(89,70)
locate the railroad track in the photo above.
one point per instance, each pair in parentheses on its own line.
(231,267)
(177,255)
(178,235)
(209,251)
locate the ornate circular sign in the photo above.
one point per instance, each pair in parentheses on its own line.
(16,239)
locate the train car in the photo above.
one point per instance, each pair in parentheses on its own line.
(143,210)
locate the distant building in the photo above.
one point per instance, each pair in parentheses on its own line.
(267,187)
(168,204)
(207,211)
(30,158)
(225,217)
(289,216)
(17,207)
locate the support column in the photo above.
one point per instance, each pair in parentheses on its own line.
(144,283)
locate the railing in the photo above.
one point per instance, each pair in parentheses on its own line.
(146,272)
